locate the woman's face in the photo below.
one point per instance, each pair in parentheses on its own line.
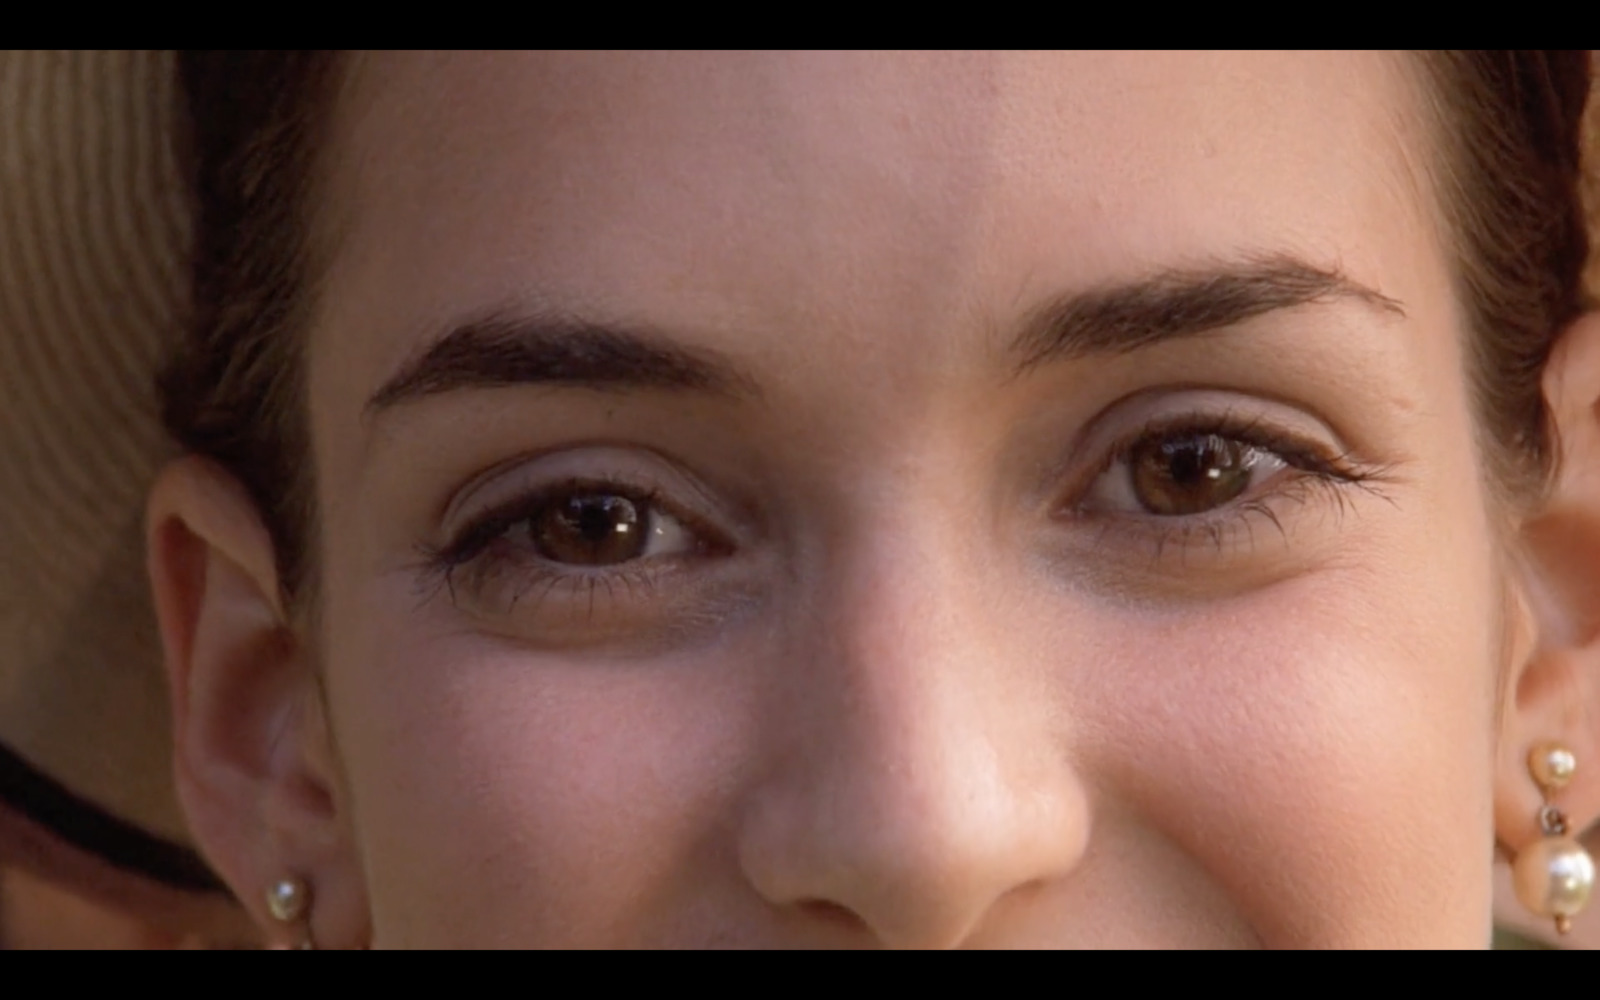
(912,500)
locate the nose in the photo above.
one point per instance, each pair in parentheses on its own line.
(918,786)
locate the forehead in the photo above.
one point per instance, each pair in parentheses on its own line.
(857,194)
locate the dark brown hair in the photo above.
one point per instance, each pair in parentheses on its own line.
(1508,175)
(1510,178)
(236,390)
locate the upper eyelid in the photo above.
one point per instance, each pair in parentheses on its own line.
(517,508)
(1257,435)
(1160,405)
(1114,430)
(626,469)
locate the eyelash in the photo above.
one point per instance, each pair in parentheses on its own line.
(472,550)
(1309,468)
(1312,470)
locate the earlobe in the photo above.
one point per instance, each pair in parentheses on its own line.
(254,770)
(1554,691)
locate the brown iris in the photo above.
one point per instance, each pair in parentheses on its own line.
(590,529)
(1188,475)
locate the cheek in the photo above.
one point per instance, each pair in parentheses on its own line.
(506,797)
(1322,748)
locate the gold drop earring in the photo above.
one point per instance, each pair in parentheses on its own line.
(289,902)
(1553,877)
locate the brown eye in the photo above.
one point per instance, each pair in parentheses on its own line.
(1190,474)
(599,529)
(1178,474)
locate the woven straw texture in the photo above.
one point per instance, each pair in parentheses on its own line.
(93,239)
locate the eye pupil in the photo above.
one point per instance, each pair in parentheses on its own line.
(1189,475)
(591,529)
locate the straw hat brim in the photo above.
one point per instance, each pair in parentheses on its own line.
(94,238)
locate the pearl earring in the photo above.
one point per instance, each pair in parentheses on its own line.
(1553,877)
(289,902)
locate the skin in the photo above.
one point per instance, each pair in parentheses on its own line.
(931,683)
(38,915)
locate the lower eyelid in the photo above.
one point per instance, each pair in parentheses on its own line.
(648,604)
(498,569)
(1277,504)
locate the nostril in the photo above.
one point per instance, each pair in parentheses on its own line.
(830,913)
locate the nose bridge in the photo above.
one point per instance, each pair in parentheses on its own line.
(923,785)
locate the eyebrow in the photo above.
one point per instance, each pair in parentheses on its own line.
(1177,303)
(559,350)
(554,349)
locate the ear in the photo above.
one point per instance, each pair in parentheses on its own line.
(1554,692)
(254,759)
